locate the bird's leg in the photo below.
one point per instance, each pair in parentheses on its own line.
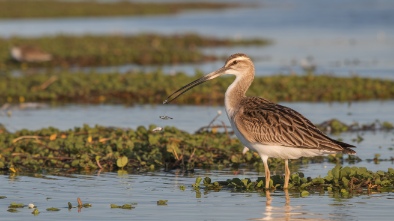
(269,198)
(287,174)
(267,171)
(287,197)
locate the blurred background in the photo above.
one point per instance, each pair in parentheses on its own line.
(92,38)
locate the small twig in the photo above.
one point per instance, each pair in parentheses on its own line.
(216,117)
(191,155)
(210,123)
(25,137)
(42,158)
(175,154)
(44,85)
(98,164)
(225,129)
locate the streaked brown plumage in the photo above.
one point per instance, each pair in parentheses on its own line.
(29,54)
(280,125)
(270,129)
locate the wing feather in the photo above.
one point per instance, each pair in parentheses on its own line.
(262,121)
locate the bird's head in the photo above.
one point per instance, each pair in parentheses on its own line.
(237,64)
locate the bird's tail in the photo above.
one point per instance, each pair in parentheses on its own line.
(347,148)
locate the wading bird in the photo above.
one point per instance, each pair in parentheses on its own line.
(29,54)
(270,129)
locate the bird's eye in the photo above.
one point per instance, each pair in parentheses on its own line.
(235,62)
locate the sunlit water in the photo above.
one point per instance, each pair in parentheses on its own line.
(145,190)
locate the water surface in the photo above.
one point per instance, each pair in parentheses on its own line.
(341,37)
(145,190)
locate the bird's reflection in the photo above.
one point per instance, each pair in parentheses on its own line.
(285,212)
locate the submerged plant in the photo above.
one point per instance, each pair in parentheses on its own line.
(16,205)
(53,209)
(162,202)
(124,206)
(35,212)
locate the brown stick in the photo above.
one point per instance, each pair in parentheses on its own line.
(44,85)
(25,137)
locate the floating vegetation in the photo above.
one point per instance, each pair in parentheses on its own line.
(345,181)
(153,87)
(54,209)
(166,117)
(122,161)
(126,150)
(124,206)
(143,150)
(162,202)
(3,197)
(13,210)
(56,9)
(31,206)
(336,126)
(104,50)
(35,212)
(16,205)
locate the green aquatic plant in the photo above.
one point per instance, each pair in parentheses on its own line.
(105,50)
(152,87)
(124,206)
(196,184)
(16,205)
(387,125)
(56,9)
(122,161)
(35,212)
(304,193)
(162,202)
(345,181)
(53,209)
(78,149)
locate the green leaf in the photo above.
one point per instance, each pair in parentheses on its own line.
(162,202)
(304,193)
(345,182)
(207,181)
(122,161)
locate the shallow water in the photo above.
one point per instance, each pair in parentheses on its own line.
(344,38)
(103,189)
(192,118)
(185,117)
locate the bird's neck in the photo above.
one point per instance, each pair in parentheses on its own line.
(236,92)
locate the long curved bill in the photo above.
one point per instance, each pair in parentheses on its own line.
(199,81)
